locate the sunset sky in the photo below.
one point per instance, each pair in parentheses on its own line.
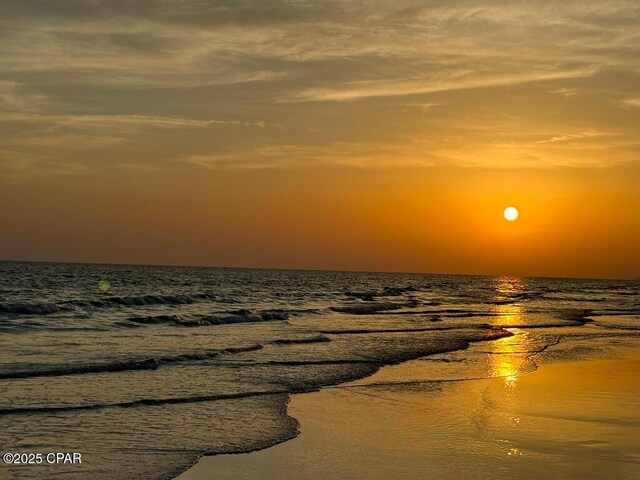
(362,135)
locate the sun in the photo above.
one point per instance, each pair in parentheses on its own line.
(511,214)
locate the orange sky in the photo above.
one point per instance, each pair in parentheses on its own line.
(352,135)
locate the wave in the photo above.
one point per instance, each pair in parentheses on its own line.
(127,365)
(46,308)
(143,300)
(579,316)
(526,326)
(31,308)
(361,367)
(367,309)
(385,292)
(352,331)
(337,361)
(147,364)
(368,368)
(208,354)
(569,298)
(198,320)
(141,402)
(447,312)
(313,339)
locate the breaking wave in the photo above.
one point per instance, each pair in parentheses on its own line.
(126,365)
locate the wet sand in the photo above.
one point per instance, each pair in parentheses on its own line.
(577,416)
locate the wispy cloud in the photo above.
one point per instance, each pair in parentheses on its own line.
(124,121)
(352,154)
(570,137)
(632,102)
(466,81)
(145,81)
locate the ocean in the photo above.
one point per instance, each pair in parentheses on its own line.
(143,369)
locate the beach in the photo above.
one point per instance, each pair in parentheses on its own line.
(352,374)
(570,412)
(310,240)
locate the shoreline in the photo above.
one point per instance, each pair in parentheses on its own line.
(498,332)
(385,413)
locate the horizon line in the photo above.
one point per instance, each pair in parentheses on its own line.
(299,269)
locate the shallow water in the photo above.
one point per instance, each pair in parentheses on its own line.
(144,369)
(570,420)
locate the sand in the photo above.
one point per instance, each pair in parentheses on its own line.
(568,419)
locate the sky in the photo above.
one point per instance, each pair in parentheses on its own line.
(378,135)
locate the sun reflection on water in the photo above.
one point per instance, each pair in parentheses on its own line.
(510,356)
(506,361)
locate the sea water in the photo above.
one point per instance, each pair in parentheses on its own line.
(143,369)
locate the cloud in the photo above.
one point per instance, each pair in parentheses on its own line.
(17,165)
(218,81)
(465,81)
(122,121)
(350,154)
(570,137)
(631,102)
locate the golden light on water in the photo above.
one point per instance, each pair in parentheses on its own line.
(507,362)
(511,214)
(509,315)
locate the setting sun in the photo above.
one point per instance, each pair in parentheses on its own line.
(252,211)
(511,214)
